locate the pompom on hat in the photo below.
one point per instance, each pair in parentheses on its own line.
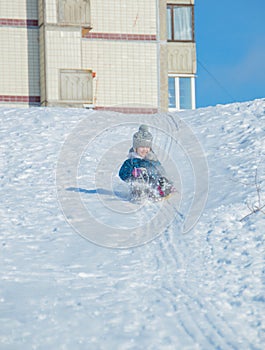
(142,138)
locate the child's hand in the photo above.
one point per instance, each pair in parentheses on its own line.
(139,172)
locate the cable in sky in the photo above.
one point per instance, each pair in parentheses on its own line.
(216,81)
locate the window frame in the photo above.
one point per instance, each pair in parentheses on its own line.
(171,7)
(177,91)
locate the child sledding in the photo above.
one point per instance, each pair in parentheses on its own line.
(143,171)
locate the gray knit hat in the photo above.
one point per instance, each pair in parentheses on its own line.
(142,138)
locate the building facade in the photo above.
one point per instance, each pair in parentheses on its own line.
(125,55)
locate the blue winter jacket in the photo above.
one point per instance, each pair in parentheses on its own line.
(150,163)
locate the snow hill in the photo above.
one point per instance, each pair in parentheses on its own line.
(203,289)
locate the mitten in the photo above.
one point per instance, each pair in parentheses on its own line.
(139,173)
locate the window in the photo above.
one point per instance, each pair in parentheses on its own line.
(171,93)
(185,93)
(181,92)
(180,23)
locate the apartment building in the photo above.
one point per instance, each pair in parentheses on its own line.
(133,56)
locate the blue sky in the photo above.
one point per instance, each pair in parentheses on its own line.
(230,39)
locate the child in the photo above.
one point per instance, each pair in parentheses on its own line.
(142,166)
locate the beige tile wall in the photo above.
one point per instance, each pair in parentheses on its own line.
(63,51)
(33,57)
(19,58)
(124,16)
(19,64)
(126,71)
(115,16)
(51,11)
(19,9)
(42,65)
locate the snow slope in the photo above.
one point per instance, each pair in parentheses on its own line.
(203,289)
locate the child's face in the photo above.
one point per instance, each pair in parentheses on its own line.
(142,151)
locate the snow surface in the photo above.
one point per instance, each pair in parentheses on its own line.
(203,289)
